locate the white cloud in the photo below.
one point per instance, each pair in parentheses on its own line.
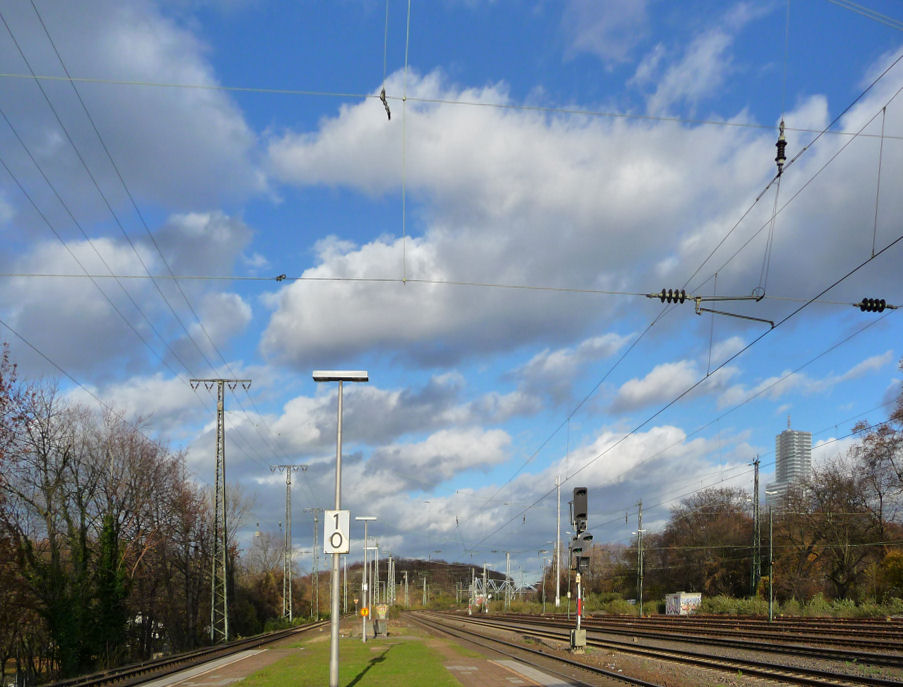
(444,454)
(184,146)
(777,386)
(73,321)
(664,381)
(156,401)
(610,30)
(223,315)
(552,373)
(701,72)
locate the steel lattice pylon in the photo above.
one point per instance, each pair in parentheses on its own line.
(219,575)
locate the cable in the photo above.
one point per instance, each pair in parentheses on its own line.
(804,186)
(130,197)
(724,238)
(696,384)
(404,152)
(869,13)
(878,181)
(427,101)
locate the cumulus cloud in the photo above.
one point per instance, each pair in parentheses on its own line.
(552,373)
(86,324)
(519,197)
(424,465)
(79,324)
(778,386)
(667,381)
(194,144)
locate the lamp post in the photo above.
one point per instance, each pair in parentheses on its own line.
(339,376)
(364,592)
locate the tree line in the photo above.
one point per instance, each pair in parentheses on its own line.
(105,542)
(838,534)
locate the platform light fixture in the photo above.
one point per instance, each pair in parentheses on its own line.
(339,376)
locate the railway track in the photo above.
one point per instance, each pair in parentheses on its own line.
(736,636)
(733,664)
(822,630)
(138,673)
(537,658)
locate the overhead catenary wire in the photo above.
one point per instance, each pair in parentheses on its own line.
(878,180)
(696,384)
(712,253)
(380,280)
(404,152)
(869,13)
(800,190)
(550,109)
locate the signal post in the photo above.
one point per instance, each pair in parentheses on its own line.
(581,551)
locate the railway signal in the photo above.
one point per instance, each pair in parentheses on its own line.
(581,548)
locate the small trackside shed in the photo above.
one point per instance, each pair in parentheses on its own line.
(682,603)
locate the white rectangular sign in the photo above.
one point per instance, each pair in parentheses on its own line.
(336,531)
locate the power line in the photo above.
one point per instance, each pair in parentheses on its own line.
(696,384)
(551,109)
(869,13)
(712,253)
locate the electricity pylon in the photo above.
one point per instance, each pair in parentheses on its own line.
(287,540)
(219,598)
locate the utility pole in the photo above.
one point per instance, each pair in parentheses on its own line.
(376,569)
(757,547)
(316,557)
(287,605)
(219,598)
(485,592)
(558,547)
(424,591)
(390,582)
(639,555)
(770,565)
(507,580)
(407,602)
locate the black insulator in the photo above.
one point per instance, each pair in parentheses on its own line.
(673,295)
(781,145)
(872,305)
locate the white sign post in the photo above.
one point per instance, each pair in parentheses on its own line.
(336,531)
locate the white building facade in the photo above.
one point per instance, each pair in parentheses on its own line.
(793,463)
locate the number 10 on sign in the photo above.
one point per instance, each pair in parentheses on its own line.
(336,527)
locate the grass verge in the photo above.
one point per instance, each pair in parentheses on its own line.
(379,663)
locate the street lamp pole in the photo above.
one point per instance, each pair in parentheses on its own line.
(339,376)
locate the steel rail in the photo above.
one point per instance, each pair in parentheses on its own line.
(137,673)
(741,638)
(438,625)
(788,674)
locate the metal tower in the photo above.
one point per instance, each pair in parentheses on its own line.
(316,556)
(287,606)
(219,599)
(757,553)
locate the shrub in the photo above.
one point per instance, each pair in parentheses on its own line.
(818,607)
(791,607)
(719,605)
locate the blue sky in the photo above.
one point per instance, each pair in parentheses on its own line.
(483,253)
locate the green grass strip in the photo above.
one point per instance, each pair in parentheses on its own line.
(379,663)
